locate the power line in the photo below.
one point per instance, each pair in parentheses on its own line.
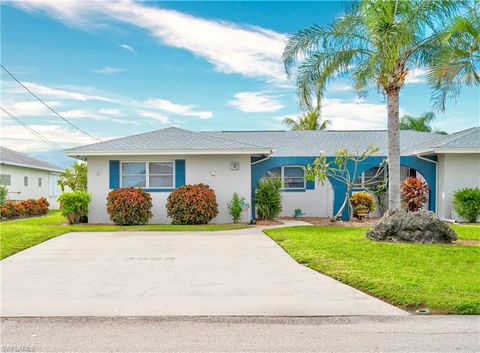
(50,108)
(33,131)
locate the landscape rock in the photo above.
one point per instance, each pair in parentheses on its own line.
(412,227)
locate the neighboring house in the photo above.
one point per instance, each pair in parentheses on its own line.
(235,161)
(28,178)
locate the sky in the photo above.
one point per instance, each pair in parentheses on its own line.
(119,68)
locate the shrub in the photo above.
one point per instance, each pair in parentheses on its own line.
(235,207)
(26,208)
(268,198)
(414,193)
(192,204)
(3,194)
(74,205)
(467,203)
(363,200)
(129,206)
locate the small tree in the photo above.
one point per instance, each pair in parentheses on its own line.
(414,193)
(3,194)
(74,178)
(467,203)
(235,207)
(268,198)
(344,168)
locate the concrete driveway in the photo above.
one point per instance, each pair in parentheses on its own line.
(241,272)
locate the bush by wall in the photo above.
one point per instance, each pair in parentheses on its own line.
(192,204)
(74,205)
(3,194)
(363,199)
(129,206)
(27,208)
(268,198)
(235,207)
(414,193)
(467,203)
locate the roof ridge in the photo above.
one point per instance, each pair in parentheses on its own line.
(227,139)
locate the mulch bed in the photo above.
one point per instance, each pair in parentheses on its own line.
(267,223)
(324,221)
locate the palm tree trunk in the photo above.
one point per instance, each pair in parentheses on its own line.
(393,149)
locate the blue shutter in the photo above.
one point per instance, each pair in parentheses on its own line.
(179,172)
(310,185)
(114,169)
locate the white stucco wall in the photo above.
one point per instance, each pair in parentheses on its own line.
(18,191)
(313,203)
(197,170)
(455,171)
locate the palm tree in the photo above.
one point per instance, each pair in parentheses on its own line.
(459,58)
(421,123)
(374,42)
(308,121)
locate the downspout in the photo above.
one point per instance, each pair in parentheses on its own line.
(436,178)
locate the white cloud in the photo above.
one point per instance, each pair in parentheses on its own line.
(179,109)
(108,70)
(95,115)
(255,102)
(127,47)
(250,51)
(155,116)
(30,108)
(110,111)
(340,87)
(416,76)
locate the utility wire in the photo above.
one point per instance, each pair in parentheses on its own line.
(33,131)
(50,108)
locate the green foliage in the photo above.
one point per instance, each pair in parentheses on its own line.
(74,178)
(414,193)
(74,205)
(421,123)
(268,198)
(467,203)
(192,204)
(363,200)
(26,208)
(3,194)
(235,207)
(129,206)
(309,121)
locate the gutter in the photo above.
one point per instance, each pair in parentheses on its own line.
(261,160)
(436,178)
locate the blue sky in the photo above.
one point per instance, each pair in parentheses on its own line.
(116,69)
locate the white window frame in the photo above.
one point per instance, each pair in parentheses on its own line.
(25,181)
(147,174)
(362,176)
(282,176)
(53,187)
(7,176)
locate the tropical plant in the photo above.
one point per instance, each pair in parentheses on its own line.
(380,190)
(235,207)
(421,123)
(457,61)
(375,41)
(363,200)
(414,193)
(129,206)
(74,205)
(26,208)
(308,121)
(3,194)
(344,169)
(467,203)
(268,198)
(192,204)
(74,178)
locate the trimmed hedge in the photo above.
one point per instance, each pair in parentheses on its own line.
(467,203)
(192,204)
(74,206)
(129,206)
(26,208)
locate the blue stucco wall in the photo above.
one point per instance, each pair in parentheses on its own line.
(427,169)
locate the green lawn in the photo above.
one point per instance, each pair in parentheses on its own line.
(467,231)
(21,234)
(444,278)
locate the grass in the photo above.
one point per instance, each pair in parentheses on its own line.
(467,231)
(21,234)
(443,278)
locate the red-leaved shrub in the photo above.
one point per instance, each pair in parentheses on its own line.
(129,206)
(26,208)
(414,193)
(192,204)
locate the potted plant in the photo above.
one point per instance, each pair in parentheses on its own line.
(363,203)
(361,211)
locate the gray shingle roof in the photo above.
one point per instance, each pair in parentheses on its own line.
(169,139)
(461,140)
(9,156)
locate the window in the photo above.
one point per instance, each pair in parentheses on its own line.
(53,188)
(5,179)
(148,174)
(370,176)
(25,181)
(40,182)
(293,177)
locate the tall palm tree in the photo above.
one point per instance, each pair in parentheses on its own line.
(421,123)
(376,42)
(458,60)
(308,121)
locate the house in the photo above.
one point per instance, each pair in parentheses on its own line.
(235,161)
(28,178)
